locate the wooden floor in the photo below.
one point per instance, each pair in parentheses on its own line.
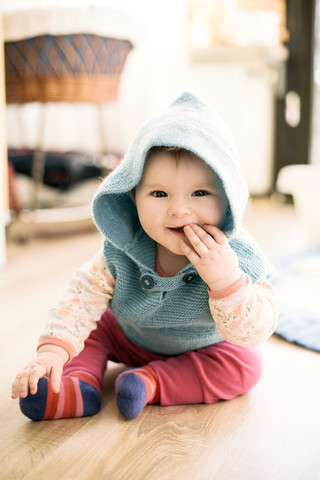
(273,433)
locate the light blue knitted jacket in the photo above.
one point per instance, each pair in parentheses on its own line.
(170,315)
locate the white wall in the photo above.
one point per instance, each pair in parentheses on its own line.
(149,82)
(155,73)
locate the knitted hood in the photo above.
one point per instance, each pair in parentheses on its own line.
(187,123)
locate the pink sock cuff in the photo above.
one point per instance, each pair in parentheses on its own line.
(86,377)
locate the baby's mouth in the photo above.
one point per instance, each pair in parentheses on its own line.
(178,231)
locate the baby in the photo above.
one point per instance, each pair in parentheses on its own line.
(179,293)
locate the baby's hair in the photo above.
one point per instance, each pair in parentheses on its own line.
(176,152)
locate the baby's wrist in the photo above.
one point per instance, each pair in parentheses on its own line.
(226,281)
(48,348)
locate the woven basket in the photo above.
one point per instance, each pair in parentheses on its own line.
(64,68)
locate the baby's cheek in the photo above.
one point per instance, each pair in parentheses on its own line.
(221,211)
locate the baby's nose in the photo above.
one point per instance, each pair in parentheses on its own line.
(179,208)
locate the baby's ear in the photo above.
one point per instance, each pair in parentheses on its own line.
(133,195)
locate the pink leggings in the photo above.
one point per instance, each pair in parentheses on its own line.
(219,372)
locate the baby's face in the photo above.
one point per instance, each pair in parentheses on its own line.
(173,194)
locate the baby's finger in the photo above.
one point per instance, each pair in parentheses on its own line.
(37,371)
(205,237)
(23,384)
(19,383)
(198,238)
(33,382)
(191,255)
(55,379)
(215,232)
(15,388)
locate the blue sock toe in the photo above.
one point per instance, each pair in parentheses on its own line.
(34,406)
(91,398)
(131,395)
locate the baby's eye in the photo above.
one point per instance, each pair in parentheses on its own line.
(159,194)
(200,193)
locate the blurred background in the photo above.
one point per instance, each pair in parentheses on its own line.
(79,77)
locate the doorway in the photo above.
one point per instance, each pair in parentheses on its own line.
(315,131)
(294,112)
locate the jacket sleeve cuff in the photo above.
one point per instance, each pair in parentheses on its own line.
(59,343)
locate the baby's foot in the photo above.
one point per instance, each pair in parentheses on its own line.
(79,396)
(134,389)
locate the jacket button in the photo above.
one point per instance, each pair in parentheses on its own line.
(189,277)
(147,282)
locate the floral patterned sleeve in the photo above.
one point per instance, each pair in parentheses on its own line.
(246,314)
(80,307)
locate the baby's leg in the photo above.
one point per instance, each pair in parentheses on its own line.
(220,372)
(81,382)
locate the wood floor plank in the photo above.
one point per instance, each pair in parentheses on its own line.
(272,433)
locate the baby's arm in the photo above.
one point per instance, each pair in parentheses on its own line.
(70,323)
(80,307)
(245,314)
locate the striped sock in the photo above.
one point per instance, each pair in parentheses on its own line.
(79,396)
(135,388)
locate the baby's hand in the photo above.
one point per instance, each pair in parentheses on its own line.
(47,363)
(209,251)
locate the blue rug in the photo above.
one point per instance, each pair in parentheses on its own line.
(298,285)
